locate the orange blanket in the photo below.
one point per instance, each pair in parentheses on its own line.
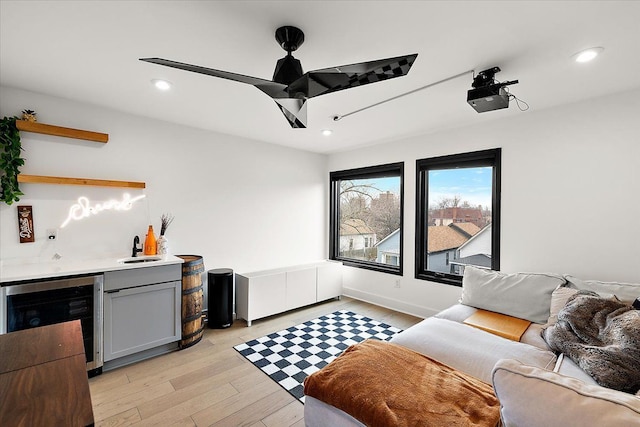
(384,384)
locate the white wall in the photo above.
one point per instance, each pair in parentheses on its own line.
(247,205)
(241,204)
(570,196)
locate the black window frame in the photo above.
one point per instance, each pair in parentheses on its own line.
(483,158)
(379,171)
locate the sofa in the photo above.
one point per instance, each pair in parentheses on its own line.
(535,385)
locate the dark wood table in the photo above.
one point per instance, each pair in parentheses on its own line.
(43,377)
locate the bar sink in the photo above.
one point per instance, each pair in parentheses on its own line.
(139,259)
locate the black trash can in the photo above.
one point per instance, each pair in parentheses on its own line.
(220,298)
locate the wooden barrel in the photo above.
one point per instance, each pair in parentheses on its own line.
(192,324)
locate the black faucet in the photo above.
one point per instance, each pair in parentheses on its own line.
(135,250)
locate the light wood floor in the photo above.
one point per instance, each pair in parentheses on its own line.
(212,384)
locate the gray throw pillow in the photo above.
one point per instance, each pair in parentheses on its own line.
(523,295)
(626,292)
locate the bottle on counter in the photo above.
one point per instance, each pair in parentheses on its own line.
(150,244)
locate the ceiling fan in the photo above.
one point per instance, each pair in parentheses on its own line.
(290,88)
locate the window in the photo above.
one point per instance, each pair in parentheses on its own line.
(366,217)
(457,215)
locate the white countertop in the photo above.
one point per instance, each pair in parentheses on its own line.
(13,272)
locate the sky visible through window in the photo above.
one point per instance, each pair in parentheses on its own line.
(473,185)
(391,184)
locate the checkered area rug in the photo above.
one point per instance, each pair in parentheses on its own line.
(289,356)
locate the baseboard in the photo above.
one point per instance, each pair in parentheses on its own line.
(390,303)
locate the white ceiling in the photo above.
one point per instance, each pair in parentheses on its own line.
(88,51)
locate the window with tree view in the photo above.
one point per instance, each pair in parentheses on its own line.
(366,217)
(458,215)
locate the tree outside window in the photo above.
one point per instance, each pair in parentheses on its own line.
(366,216)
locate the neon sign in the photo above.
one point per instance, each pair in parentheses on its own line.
(83,208)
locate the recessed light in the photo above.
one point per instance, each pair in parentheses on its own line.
(327,132)
(161,84)
(587,54)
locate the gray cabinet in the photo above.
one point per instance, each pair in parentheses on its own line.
(141,313)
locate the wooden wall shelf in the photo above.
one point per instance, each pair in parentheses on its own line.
(39,179)
(46,129)
(43,128)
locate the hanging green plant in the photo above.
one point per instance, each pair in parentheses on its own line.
(10,160)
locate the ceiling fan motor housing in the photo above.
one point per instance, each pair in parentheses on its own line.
(288,70)
(289,38)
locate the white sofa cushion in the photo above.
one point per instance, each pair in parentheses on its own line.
(569,368)
(468,349)
(456,313)
(320,414)
(532,336)
(459,312)
(533,397)
(523,295)
(626,292)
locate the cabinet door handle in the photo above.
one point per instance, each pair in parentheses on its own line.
(113,292)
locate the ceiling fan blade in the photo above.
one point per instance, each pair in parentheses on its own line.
(389,64)
(295,110)
(273,89)
(327,80)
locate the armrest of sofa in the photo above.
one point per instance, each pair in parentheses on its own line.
(531,396)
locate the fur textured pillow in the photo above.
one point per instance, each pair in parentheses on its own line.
(602,336)
(559,299)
